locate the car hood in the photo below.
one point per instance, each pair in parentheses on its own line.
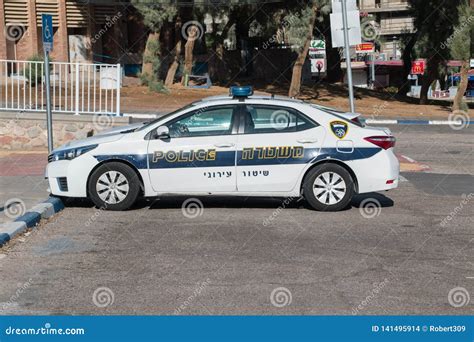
(120,129)
(98,139)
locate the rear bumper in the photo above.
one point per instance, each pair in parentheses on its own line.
(377,173)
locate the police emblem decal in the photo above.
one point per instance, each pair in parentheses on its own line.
(339,128)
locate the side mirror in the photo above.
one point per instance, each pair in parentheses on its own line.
(162,132)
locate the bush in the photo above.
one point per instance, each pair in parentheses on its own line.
(391,90)
(34,71)
(153,83)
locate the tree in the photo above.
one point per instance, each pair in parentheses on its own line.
(193,33)
(154,16)
(434,24)
(176,54)
(300,31)
(459,45)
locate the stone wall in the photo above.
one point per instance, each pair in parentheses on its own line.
(26,131)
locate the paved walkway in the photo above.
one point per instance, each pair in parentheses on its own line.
(22,183)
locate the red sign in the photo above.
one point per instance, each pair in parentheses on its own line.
(365,48)
(418,67)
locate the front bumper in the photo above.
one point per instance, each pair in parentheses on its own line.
(69,178)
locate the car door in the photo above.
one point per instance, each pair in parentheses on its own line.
(273,148)
(199,156)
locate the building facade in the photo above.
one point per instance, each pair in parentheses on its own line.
(392,20)
(83,30)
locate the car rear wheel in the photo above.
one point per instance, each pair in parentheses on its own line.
(328,187)
(114,186)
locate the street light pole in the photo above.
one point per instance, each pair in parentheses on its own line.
(348,55)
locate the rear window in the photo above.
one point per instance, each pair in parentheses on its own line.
(275,119)
(338,114)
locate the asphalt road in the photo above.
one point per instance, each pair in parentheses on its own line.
(263,256)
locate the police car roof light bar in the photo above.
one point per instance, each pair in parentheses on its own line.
(241,92)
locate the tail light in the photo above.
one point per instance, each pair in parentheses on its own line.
(383,141)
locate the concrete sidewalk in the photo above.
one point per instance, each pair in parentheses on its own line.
(22,183)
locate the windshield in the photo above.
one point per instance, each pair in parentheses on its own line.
(164,117)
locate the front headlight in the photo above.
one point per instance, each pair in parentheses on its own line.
(70,153)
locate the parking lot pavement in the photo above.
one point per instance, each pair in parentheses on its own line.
(261,256)
(22,183)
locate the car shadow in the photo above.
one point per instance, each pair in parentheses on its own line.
(176,202)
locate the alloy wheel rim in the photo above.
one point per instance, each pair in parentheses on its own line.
(112,187)
(329,188)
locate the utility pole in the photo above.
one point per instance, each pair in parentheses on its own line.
(372,69)
(47,25)
(348,55)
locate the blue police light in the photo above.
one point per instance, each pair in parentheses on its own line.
(243,91)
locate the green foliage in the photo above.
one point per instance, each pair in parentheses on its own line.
(33,71)
(391,90)
(155,13)
(432,34)
(460,41)
(152,54)
(298,20)
(153,83)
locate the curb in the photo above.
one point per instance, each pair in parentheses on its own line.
(417,122)
(31,218)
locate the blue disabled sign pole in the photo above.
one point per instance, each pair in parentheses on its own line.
(47,21)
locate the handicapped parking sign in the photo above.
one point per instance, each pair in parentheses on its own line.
(47,25)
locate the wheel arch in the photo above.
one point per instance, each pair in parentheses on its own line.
(332,161)
(116,160)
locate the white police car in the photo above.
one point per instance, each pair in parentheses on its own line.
(240,145)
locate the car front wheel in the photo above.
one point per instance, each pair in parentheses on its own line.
(328,187)
(114,186)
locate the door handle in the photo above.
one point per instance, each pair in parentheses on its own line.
(307,141)
(224,145)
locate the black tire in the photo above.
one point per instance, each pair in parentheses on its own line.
(123,194)
(328,193)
